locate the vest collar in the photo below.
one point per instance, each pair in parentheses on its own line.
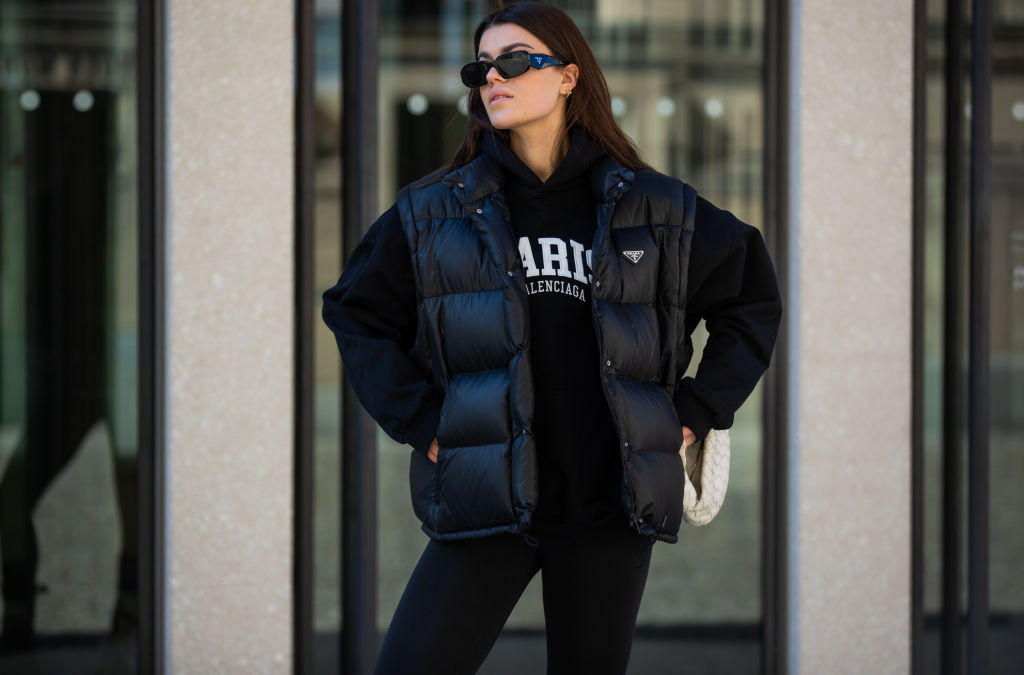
(609,179)
(478,179)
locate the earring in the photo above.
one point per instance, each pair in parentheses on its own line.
(566,94)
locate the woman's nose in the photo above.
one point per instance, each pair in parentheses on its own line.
(493,74)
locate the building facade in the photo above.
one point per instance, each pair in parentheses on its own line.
(185,486)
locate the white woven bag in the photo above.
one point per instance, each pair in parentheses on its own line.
(705,477)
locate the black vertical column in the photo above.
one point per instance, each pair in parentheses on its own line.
(151,157)
(775,465)
(302,556)
(359,47)
(917,340)
(952,399)
(978,336)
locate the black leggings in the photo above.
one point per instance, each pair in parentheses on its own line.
(461,593)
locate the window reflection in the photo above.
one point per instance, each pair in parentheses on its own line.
(68,336)
(1007,286)
(327,406)
(1006,590)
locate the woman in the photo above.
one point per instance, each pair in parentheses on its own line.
(522,319)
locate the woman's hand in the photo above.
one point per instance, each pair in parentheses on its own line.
(689,438)
(432,452)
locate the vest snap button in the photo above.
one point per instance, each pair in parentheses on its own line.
(510,272)
(621,183)
(461,185)
(608,363)
(479,210)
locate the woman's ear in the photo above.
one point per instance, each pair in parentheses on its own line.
(570,76)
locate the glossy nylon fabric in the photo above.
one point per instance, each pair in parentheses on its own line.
(473,336)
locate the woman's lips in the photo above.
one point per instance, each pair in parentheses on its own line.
(498,98)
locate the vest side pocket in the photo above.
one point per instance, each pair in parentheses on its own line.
(423,488)
(657,481)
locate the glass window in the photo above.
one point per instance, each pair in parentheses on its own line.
(1006,501)
(1006,586)
(68,336)
(933,329)
(327,372)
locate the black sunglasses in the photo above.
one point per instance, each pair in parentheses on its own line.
(509,64)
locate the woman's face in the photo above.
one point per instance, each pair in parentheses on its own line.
(535,98)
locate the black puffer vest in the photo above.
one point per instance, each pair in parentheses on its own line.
(473,337)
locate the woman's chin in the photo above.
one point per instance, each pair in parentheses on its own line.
(500,122)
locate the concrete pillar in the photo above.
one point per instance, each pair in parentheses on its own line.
(849,314)
(229,285)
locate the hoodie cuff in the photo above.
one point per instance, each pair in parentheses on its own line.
(422,429)
(692,412)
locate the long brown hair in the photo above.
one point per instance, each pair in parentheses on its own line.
(590,105)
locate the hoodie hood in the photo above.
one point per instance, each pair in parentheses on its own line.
(584,151)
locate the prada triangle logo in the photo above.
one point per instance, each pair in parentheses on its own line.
(633,256)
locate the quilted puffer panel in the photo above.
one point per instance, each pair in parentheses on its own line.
(452,258)
(630,273)
(657,482)
(423,487)
(630,339)
(473,488)
(475,409)
(473,326)
(646,416)
(524,474)
(654,199)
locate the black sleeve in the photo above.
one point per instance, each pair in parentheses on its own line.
(372,311)
(732,286)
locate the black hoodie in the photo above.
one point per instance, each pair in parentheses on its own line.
(731,284)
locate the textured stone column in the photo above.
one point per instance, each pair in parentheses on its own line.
(849,316)
(229,289)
